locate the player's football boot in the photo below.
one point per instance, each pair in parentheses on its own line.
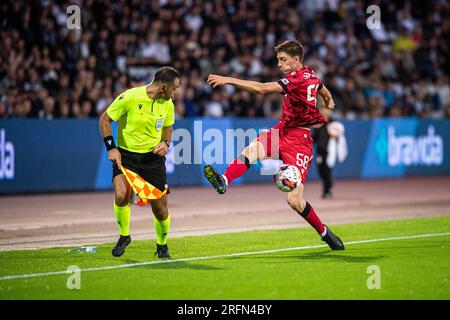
(163,251)
(333,240)
(215,179)
(122,243)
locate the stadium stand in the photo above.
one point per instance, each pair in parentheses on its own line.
(50,72)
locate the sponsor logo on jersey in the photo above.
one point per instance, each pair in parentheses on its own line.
(307,75)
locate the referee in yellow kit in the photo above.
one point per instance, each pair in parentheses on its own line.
(145,115)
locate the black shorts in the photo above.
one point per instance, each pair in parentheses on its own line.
(150,166)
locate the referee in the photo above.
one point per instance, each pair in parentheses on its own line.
(145,115)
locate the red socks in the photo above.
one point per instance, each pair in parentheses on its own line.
(310,215)
(237,168)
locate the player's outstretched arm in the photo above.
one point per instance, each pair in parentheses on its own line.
(252,86)
(327,98)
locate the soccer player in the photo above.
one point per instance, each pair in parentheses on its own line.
(145,115)
(291,137)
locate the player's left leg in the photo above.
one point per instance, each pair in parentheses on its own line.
(303,208)
(297,149)
(256,150)
(162,225)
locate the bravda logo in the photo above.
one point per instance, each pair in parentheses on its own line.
(6,157)
(408,150)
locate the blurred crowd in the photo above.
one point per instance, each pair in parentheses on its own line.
(50,71)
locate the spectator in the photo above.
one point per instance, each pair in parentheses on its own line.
(3,111)
(47,111)
(86,109)
(63,109)
(22,108)
(371,74)
(214,108)
(353,101)
(443,92)
(76,110)
(104,101)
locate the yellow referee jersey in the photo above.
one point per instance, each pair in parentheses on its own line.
(141,119)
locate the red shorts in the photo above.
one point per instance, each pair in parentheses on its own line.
(293,146)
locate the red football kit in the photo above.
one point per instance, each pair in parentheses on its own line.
(289,140)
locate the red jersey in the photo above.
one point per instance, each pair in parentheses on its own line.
(299,103)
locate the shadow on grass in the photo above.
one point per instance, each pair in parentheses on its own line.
(341,256)
(323,255)
(172,265)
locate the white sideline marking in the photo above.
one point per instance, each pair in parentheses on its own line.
(33,275)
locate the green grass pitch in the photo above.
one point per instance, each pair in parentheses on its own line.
(411,268)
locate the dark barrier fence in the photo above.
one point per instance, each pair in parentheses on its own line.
(68,155)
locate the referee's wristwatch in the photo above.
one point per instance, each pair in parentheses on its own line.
(168,143)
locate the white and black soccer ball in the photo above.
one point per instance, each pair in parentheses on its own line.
(287,178)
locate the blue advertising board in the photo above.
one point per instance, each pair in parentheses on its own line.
(68,155)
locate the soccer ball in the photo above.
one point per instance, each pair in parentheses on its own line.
(287,178)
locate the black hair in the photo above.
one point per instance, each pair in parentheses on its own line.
(166,75)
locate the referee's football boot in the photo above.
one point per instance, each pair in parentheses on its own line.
(163,251)
(216,180)
(121,244)
(333,240)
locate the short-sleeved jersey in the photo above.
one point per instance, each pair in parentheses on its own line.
(141,119)
(299,103)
